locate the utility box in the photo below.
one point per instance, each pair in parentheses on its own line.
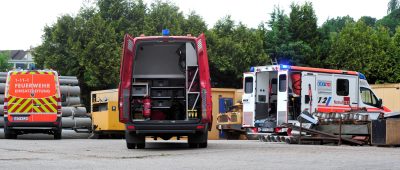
(385,132)
(105,115)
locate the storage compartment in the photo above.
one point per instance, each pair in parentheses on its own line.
(162,68)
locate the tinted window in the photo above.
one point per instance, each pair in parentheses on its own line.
(342,87)
(248,85)
(282,83)
(368,97)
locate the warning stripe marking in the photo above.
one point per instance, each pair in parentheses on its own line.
(42,105)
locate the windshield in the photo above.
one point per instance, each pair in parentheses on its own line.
(368,97)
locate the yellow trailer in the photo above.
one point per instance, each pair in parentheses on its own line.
(105,118)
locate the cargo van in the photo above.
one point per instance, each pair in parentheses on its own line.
(165,89)
(32,103)
(278,94)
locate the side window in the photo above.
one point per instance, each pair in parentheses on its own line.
(282,83)
(368,97)
(342,87)
(248,84)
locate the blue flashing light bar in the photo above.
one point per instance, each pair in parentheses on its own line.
(165,32)
(251,69)
(362,76)
(284,67)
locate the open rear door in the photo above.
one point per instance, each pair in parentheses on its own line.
(248,99)
(205,86)
(282,97)
(124,89)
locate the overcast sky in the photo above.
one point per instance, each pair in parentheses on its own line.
(22,21)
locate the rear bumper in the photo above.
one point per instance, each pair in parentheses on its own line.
(170,128)
(33,125)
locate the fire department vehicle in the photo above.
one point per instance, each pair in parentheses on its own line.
(165,89)
(32,103)
(277,94)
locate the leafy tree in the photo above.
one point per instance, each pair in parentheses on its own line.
(391,21)
(233,49)
(162,15)
(370,21)
(393,5)
(360,47)
(4,65)
(303,23)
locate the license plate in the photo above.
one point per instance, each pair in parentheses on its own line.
(265,129)
(20,118)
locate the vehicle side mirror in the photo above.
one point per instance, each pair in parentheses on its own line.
(379,103)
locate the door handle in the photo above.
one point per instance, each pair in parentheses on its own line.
(37,105)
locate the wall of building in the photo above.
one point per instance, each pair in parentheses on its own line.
(390,95)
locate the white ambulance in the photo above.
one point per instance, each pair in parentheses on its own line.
(277,94)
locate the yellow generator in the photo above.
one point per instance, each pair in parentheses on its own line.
(105,118)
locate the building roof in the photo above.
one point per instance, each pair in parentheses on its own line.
(16,54)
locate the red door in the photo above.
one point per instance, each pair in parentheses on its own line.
(205,86)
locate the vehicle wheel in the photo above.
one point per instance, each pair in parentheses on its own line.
(141,145)
(198,140)
(9,134)
(203,145)
(57,134)
(193,145)
(130,145)
(134,140)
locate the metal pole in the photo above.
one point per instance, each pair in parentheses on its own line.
(301,126)
(340,131)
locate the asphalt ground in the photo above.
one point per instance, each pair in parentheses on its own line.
(75,151)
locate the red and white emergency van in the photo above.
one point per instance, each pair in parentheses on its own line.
(32,103)
(165,89)
(277,94)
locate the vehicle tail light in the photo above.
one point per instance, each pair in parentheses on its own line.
(130,127)
(277,129)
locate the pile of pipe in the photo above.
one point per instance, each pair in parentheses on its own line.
(74,115)
(3,78)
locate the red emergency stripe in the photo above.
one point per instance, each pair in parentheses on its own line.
(24,110)
(323,70)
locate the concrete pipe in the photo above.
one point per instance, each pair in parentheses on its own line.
(72,82)
(73,111)
(1,121)
(70,101)
(2,87)
(3,79)
(1,110)
(1,98)
(77,122)
(67,77)
(69,90)
(3,74)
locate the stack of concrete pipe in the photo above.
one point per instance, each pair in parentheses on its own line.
(3,78)
(74,116)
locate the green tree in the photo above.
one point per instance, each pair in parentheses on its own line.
(303,23)
(232,50)
(370,21)
(393,5)
(164,15)
(4,65)
(364,49)
(391,21)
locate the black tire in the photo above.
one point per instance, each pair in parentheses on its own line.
(203,145)
(193,145)
(134,140)
(198,140)
(130,145)
(57,134)
(9,134)
(141,145)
